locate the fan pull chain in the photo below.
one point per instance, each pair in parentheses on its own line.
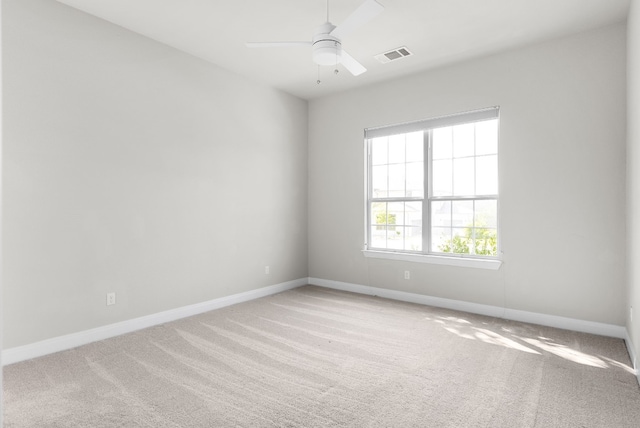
(318,81)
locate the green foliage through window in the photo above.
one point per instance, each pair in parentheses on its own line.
(384,218)
(485,242)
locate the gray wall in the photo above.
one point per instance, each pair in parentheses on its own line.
(633,172)
(135,168)
(562,177)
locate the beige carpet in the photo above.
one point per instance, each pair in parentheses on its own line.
(314,357)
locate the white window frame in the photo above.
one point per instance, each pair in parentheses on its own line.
(426,255)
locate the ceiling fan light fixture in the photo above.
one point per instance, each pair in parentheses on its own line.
(327,52)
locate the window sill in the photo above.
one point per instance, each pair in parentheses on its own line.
(490,264)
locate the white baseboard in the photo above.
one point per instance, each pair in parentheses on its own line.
(69,341)
(601,329)
(410,297)
(632,355)
(61,343)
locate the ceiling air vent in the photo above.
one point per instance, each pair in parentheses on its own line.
(393,55)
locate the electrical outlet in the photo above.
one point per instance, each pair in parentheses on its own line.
(266,270)
(407,274)
(111,299)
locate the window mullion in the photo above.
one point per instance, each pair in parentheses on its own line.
(464,198)
(426,203)
(396,199)
(369,191)
(473,227)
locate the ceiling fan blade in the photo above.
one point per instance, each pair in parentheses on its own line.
(366,12)
(276,44)
(351,64)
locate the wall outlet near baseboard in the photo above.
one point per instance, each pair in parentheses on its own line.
(267,270)
(111,299)
(407,274)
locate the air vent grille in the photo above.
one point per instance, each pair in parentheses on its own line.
(393,55)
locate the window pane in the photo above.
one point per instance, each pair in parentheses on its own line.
(441,213)
(463,177)
(462,213)
(487,137)
(415,146)
(378,215)
(413,214)
(379,181)
(415,179)
(413,239)
(396,180)
(395,213)
(442,143)
(379,151)
(487,175)
(463,140)
(462,241)
(396,148)
(486,214)
(378,237)
(395,237)
(486,242)
(441,239)
(441,178)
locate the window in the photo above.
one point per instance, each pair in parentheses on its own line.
(432,186)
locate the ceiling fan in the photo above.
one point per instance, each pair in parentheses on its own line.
(327,40)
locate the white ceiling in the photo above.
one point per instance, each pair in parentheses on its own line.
(438,32)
